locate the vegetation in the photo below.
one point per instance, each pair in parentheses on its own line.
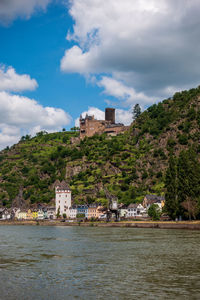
(129,165)
(154,212)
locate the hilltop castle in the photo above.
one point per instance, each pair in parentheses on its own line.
(90,126)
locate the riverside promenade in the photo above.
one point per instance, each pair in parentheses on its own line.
(190,225)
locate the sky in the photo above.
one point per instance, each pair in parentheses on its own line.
(63,58)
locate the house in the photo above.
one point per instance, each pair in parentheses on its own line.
(1,212)
(5,214)
(135,210)
(82,210)
(63,199)
(73,212)
(35,214)
(22,215)
(29,215)
(153,199)
(95,210)
(40,214)
(49,212)
(123,211)
(16,212)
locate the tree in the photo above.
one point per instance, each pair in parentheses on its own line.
(188,183)
(58,213)
(64,216)
(136,111)
(171,203)
(154,212)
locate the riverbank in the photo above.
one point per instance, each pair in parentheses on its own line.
(191,225)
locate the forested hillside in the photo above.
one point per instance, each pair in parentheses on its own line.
(128,165)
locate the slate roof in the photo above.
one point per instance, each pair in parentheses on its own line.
(155,198)
(63,186)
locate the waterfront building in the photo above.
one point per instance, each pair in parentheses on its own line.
(73,212)
(123,211)
(22,215)
(40,215)
(82,210)
(153,199)
(29,215)
(35,214)
(135,210)
(16,213)
(5,214)
(94,210)
(63,199)
(50,212)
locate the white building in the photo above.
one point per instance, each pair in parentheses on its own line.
(63,199)
(135,210)
(72,212)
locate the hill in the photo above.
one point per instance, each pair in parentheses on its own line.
(128,165)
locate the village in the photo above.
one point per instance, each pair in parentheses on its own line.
(64,208)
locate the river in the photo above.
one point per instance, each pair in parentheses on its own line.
(38,262)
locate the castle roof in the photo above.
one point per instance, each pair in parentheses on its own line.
(63,186)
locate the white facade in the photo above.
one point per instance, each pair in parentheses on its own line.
(136,210)
(72,212)
(123,212)
(40,215)
(63,200)
(51,213)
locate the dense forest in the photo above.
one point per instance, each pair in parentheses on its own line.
(129,165)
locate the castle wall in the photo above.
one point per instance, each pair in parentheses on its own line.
(89,126)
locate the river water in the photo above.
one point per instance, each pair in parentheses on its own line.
(53,263)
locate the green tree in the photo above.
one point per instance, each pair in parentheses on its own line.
(136,111)
(171,203)
(188,175)
(58,213)
(154,212)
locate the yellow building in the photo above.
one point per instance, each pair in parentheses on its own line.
(29,215)
(35,214)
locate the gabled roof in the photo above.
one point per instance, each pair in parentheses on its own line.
(155,198)
(63,186)
(133,205)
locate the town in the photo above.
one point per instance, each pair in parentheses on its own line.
(65,209)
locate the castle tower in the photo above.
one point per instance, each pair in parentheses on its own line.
(63,198)
(110,115)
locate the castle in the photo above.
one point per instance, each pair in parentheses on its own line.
(90,126)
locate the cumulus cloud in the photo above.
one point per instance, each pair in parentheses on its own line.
(11,9)
(152,46)
(11,81)
(119,90)
(20,115)
(121,116)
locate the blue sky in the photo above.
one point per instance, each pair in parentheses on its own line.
(35,47)
(61,58)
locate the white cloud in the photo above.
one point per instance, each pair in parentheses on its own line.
(126,94)
(11,81)
(11,9)
(151,46)
(122,116)
(20,115)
